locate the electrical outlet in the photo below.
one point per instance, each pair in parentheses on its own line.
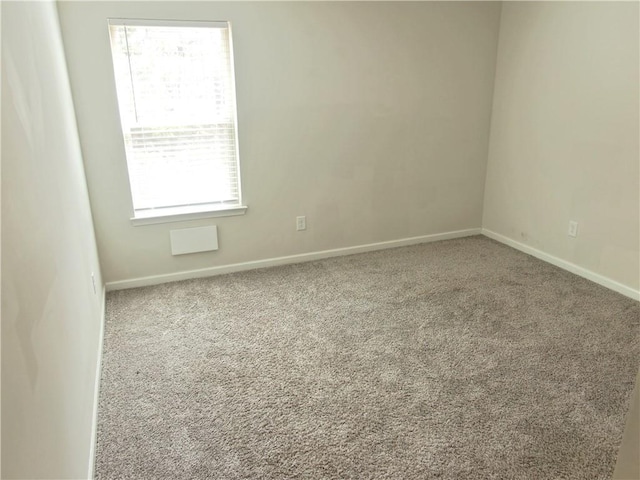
(301,223)
(573,228)
(93,282)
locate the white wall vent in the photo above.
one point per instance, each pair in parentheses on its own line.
(192,240)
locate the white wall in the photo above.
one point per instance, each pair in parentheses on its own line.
(371,119)
(51,318)
(565,134)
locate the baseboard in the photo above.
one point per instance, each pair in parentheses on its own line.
(570,267)
(272,262)
(96,390)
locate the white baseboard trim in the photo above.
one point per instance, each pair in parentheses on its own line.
(272,262)
(570,267)
(96,390)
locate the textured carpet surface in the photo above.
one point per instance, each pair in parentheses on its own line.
(452,360)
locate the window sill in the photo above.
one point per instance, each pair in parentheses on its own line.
(181,214)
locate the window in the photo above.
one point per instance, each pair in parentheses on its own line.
(176,96)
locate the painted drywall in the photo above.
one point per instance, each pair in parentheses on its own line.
(371,119)
(51,318)
(565,134)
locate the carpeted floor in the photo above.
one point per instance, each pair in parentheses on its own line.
(451,360)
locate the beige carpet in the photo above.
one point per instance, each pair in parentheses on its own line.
(451,360)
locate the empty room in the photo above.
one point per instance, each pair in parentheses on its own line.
(320,240)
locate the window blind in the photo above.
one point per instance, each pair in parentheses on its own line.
(176,98)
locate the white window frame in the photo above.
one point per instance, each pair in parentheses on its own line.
(189,212)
